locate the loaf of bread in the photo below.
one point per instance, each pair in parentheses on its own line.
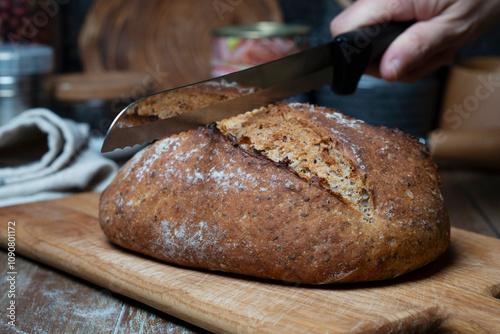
(291,192)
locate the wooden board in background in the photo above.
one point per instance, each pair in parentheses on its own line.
(455,293)
(170,41)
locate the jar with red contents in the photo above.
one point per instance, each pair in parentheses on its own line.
(235,48)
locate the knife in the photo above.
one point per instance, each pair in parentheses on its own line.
(339,63)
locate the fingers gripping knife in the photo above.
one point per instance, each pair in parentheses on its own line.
(339,63)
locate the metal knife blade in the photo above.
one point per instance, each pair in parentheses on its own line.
(276,80)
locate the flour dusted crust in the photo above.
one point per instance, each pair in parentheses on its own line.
(291,192)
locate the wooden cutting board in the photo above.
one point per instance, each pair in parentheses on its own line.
(458,293)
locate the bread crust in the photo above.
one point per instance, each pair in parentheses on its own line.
(199,199)
(180,101)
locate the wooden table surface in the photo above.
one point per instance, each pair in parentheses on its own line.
(51,301)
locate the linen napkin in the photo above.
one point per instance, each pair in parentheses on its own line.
(43,156)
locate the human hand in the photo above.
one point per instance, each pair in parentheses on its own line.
(442,27)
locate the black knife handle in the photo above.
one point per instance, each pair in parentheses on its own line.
(355,50)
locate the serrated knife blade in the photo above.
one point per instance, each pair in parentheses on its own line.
(276,81)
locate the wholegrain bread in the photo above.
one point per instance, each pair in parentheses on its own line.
(290,192)
(175,102)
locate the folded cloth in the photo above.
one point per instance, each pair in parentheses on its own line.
(43,156)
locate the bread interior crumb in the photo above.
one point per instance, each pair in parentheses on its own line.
(283,137)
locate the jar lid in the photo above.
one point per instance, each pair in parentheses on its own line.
(25,59)
(262,30)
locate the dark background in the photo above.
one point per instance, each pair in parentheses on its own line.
(412,107)
(315,13)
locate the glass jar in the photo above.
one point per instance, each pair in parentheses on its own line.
(24,78)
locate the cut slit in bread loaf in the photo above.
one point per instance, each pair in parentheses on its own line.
(302,146)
